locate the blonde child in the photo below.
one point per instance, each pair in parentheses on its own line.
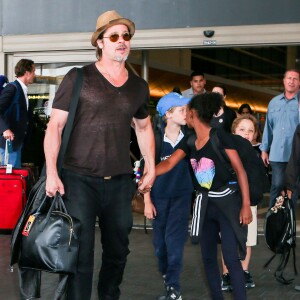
(171,195)
(246,126)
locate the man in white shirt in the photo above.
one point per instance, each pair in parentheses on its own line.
(197,83)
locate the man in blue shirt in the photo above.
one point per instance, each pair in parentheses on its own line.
(281,122)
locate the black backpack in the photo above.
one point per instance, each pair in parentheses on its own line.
(280,235)
(257,177)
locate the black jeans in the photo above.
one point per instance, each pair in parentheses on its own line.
(85,198)
(215,222)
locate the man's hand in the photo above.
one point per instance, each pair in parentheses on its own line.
(265,158)
(146,183)
(53,185)
(8,135)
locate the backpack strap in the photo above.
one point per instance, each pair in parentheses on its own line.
(294,261)
(278,274)
(269,261)
(158,126)
(293,242)
(191,140)
(220,151)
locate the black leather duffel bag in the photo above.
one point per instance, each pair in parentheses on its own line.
(50,239)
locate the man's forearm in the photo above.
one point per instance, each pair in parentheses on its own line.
(145,138)
(51,148)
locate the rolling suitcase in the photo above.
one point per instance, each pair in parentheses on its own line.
(13,194)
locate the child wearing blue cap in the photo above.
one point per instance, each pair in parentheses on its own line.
(171,195)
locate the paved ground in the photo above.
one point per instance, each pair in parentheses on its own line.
(142,281)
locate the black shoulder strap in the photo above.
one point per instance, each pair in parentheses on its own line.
(219,150)
(69,125)
(158,129)
(71,116)
(191,140)
(158,136)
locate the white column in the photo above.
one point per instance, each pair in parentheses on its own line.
(145,65)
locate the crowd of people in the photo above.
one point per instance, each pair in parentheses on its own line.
(96,179)
(207,110)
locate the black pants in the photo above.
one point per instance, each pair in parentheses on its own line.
(215,223)
(110,200)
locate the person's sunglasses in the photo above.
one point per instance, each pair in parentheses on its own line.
(115,37)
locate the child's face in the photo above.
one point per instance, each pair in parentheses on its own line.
(177,115)
(246,129)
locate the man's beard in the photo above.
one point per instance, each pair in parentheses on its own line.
(120,58)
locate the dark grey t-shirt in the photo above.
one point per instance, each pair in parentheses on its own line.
(100,139)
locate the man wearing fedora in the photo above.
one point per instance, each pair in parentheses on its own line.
(96,176)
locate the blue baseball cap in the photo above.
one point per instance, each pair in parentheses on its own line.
(170,100)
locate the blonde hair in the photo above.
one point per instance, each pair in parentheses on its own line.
(238,120)
(165,115)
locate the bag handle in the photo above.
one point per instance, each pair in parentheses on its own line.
(6,154)
(56,204)
(57,201)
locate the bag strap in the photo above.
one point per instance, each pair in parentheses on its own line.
(57,205)
(69,125)
(158,126)
(219,150)
(269,261)
(6,154)
(279,272)
(293,221)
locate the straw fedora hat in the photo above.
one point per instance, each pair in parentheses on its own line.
(108,19)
